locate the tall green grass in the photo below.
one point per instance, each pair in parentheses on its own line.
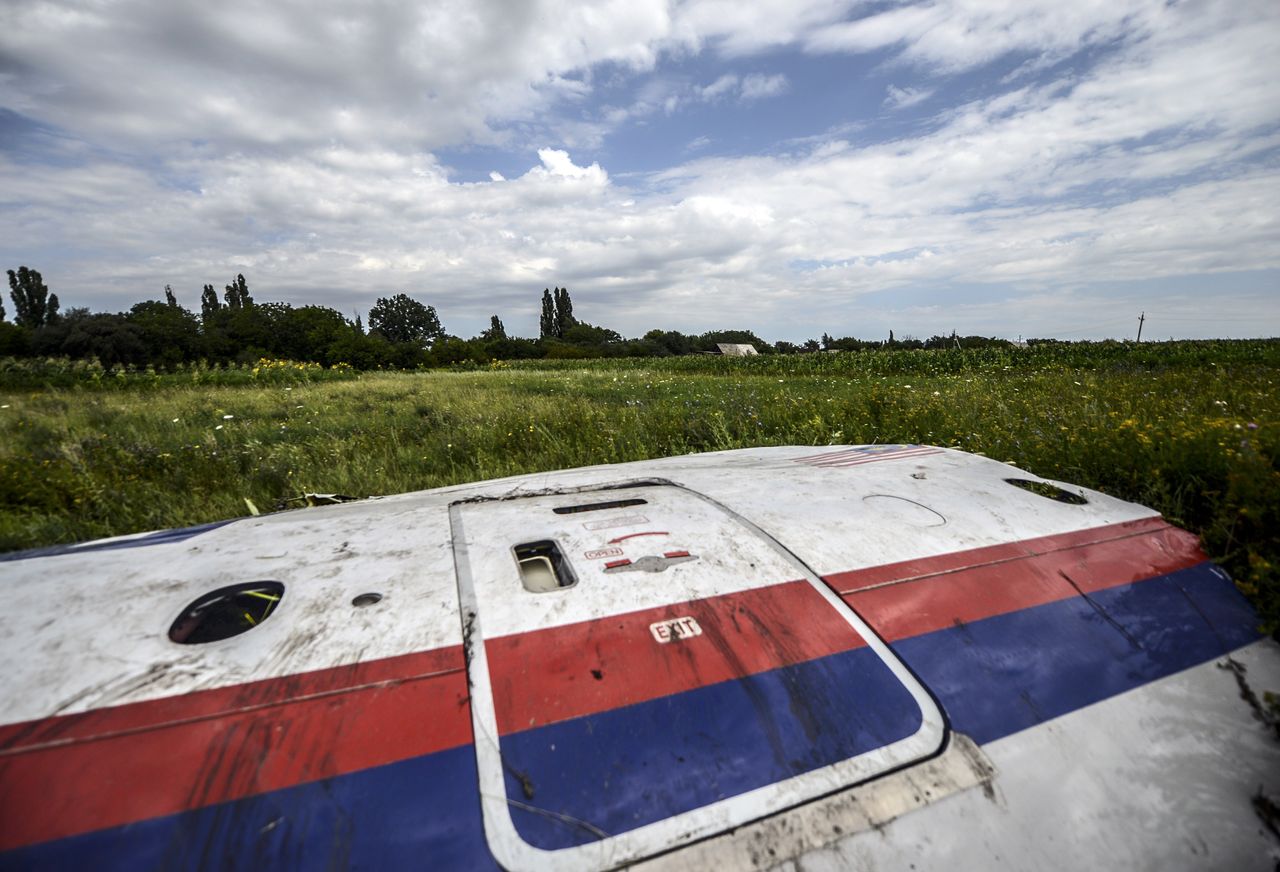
(1194,434)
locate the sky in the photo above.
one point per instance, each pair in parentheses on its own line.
(1032,168)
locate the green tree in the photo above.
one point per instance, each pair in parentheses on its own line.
(582,333)
(403,319)
(514,348)
(670,342)
(496,329)
(170,300)
(452,350)
(237,294)
(209,305)
(564,312)
(33,305)
(111,338)
(15,341)
(314,333)
(255,330)
(169,333)
(547,322)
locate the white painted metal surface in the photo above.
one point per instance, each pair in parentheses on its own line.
(1161,778)
(729,556)
(1065,658)
(60,605)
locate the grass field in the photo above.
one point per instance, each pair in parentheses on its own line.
(1191,429)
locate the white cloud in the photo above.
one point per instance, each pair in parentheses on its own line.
(721,87)
(298,147)
(753,86)
(960,34)
(903,98)
(296,73)
(734,28)
(557,163)
(757,86)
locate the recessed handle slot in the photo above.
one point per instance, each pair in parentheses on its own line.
(597,507)
(543,567)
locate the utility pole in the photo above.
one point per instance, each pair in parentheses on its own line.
(1141,318)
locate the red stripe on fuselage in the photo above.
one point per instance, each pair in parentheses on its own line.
(65,775)
(558,673)
(104,722)
(939,592)
(906,570)
(76,773)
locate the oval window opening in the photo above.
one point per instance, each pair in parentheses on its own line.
(226,612)
(1050,491)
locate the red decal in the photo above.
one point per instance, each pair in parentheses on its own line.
(612,563)
(601,553)
(673,554)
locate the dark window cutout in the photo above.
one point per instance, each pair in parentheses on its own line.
(542,567)
(596,507)
(226,612)
(367,599)
(1044,489)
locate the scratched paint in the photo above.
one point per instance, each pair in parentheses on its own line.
(1039,627)
(745,631)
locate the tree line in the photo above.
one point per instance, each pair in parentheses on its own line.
(402,332)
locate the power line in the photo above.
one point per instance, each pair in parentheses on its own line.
(1233,319)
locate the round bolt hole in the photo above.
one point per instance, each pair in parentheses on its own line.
(367,599)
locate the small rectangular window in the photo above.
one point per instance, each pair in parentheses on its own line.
(596,507)
(543,567)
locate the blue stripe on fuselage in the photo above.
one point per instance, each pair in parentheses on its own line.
(160,537)
(622,769)
(993,677)
(1003,674)
(419,813)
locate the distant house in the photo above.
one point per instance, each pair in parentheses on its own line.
(729,349)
